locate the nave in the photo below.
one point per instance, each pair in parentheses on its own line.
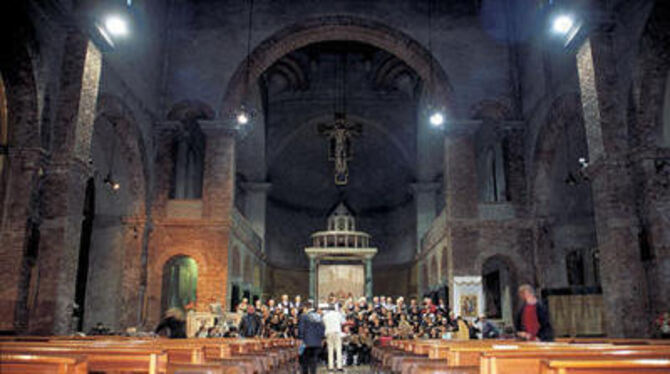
(77,355)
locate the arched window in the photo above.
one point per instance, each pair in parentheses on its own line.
(188,155)
(493,186)
(180,282)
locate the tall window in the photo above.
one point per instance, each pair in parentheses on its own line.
(188,155)
(494,176)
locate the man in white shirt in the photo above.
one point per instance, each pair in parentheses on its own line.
(333,321)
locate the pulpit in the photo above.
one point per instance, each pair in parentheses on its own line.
(340,258)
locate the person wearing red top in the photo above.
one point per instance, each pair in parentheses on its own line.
(532,321)
(428,306)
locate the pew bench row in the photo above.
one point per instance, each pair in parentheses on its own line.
(153,356)
(511,357)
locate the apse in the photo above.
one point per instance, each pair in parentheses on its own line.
(301,93)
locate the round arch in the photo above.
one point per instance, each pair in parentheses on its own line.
(333,28)
(180,282)
(18,73)
(112,109)
(500,281)
(565,108)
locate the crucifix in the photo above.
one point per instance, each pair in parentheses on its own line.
(340,151)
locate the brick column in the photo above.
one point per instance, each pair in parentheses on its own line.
(130,312)
(460,179)
(64,186)
(218,198)
(513,144)
(22,170)
(425,195)
(460,175)
(617,224)
(255,206)
(164,164)
(219,174)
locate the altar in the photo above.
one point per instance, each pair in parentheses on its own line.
(340,258)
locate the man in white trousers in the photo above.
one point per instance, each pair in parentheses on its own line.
(333,321)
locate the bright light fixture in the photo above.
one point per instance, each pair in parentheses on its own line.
(436,119)
(242,118)
(563,24)
(116,25)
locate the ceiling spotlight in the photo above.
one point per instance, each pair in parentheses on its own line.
(116,25)
(242,118)
(436,119)
(563,24)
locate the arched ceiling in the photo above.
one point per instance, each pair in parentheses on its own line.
(301,90)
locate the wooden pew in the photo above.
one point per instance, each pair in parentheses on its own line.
(640,366)
(216,368)
(34,364)
(99,358)
(529,361)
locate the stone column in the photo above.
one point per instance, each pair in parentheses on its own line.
(425,195)
(64,186)
(368,278)
(164,164)
(513,145)
(460,178)
(22,170)
(312,278)
(617,222)
(460,175)
(255,206)
(217,198)
(219,175)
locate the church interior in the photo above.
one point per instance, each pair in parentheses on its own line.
(195,155)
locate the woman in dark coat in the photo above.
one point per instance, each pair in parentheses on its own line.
(173,325)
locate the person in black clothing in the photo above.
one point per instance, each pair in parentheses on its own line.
(251,324)
(532,321)
(173,325)
(311,331)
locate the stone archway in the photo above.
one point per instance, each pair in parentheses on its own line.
(565,108)
(333,28)
(499,283)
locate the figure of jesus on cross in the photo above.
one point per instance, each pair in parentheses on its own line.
(340,151)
